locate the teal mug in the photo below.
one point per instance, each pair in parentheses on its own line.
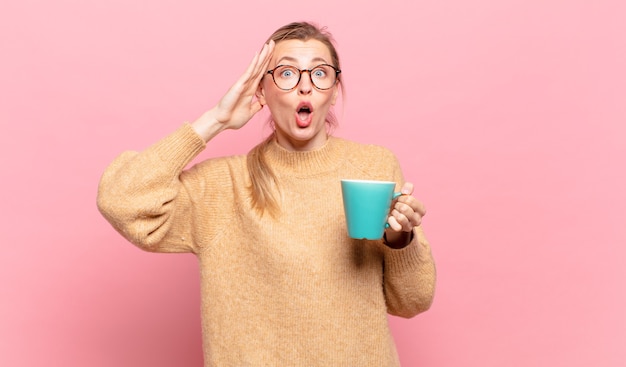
(366,204)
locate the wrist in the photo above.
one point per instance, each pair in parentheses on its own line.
(397,240)
(207,126)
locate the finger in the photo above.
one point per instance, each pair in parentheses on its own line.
(259,73)
(404,223)
(251,67)
(263,63)
(393,223)
(265,58)
(413,218)
(418,207)
(408,219)
(256,66)
(240,85)
(256,107)
(415,205)
(259,67)
(402,219)
(407,188)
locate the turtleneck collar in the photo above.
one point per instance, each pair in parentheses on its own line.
(307,163)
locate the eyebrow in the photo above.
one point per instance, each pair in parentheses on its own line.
(293,59)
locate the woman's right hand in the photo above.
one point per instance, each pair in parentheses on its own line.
(239,104)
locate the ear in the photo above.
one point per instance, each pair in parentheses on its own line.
(335,94)
(260,94)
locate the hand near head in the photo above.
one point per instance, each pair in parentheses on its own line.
(406,213)
(239,104)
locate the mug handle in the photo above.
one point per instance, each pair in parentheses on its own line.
(395,196)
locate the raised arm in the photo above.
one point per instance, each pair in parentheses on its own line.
(143,195)
(238,105)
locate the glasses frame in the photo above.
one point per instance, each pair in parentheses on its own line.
(300,71)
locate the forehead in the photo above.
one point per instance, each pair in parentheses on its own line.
(303,53)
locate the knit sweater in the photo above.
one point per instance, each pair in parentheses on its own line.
(288,290)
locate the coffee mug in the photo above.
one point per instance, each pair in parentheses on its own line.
(366,204)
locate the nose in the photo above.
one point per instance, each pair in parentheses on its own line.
(305,85)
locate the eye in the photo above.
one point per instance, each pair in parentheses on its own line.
(286,72)
(319,73)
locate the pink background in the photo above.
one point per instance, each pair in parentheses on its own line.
(509,116)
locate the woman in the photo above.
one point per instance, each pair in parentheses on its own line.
(282,284)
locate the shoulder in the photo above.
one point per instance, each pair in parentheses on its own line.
(366,154)
(218,169)
(369,161)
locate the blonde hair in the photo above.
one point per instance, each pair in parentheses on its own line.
(263,180)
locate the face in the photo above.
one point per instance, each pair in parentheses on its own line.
(299,114)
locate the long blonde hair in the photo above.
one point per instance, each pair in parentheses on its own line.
(264,184)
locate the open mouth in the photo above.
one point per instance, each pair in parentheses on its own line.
(304,112)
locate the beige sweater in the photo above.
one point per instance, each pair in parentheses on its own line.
(290,291)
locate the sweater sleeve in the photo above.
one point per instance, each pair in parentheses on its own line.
(409,277)
(409,273)
(143,198)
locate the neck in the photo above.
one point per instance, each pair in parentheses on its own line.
(303,163)
(306,145)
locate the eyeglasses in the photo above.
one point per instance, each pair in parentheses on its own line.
(287,77)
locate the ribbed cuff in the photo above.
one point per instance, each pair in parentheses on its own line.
(180,147)
(410,257)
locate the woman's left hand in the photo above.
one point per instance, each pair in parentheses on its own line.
(406,213)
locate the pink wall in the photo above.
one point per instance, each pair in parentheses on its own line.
(508,115)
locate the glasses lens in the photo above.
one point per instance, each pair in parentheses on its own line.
(286,77)
(323,76)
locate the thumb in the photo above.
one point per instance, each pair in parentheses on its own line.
(407,188)
(256,107)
